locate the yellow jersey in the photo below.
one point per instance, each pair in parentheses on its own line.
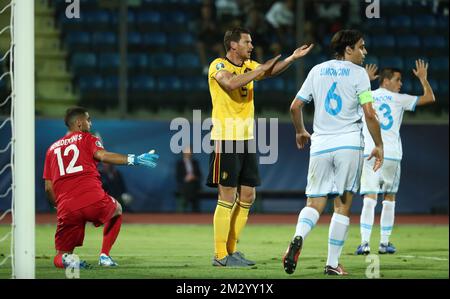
(232,112)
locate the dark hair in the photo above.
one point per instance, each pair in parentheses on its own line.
(233,35)
(72,113)
(342,39)
(387,73)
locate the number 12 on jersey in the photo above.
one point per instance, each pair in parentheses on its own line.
(331,95)
(71,168)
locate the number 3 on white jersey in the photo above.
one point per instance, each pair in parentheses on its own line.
(71,168)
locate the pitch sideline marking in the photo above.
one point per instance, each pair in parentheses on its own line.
(425,257)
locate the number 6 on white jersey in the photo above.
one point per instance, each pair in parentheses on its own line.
(71,168)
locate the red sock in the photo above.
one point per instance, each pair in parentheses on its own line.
(58,261)
(110,233)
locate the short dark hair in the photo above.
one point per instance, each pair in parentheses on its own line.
(233,35)
(387,73)
(72,113)
(344,38)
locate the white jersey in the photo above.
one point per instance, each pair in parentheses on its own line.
(389,107)
(334,86)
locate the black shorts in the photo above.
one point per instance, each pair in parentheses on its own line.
(232,169)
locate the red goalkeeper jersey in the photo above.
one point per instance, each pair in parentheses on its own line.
(70,165)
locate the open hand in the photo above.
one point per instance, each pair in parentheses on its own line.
(371,70)
(302,51)
(421,70)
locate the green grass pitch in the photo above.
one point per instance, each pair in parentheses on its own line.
(185,251)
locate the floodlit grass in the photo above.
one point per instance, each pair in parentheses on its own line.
(185,251)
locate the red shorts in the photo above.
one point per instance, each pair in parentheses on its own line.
(70,228)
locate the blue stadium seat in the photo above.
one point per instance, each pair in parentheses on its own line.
(187,60)
(383,41)
(137,61)
(111,83)
(439,63)
(272,84)
(83,62)
(424,21)
(391,61)
(164,61)
(434,42)
(77,40)
(182,39)
(149,20)
(442,22)
(443,86)
(99,19)
(196,83)
(90,83)
(104,40)
(169,84)
(142,83)
(407,86)
(376,25)
(134,39)
(401,21)
(154,39)
(371,59)
(109,62)
(408,41)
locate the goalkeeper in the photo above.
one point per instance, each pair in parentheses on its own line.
(73,184)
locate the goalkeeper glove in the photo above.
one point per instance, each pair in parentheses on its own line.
(146,159)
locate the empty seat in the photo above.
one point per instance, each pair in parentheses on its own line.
(77,41)
(407,86)
(423,22)
(169,84)
(154,39)
(109,62)
(83,62)
(91,83)
(408,41)
(162,61)
(104,41)
(142,83)
(371,59)
(137,61)
(99,19)
(401,21)
(196,83)
(148,20)
(391,61)
(187,60)
(111,84)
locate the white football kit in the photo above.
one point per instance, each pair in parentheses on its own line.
(337,142)
(390,107)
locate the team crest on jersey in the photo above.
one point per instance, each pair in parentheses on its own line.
(99,144)
(220,66)
(224,175)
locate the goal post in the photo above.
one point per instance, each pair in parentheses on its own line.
(23,136)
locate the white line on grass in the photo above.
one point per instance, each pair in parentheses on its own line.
(425,257)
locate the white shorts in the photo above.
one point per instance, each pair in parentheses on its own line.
(334,173)
(385,180)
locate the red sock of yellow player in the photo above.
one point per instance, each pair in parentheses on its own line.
(222,217)
(110,233)
(239,216)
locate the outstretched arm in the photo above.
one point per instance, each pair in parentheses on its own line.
(301,135)
(230,82)
(281,66)
(147,159)
(421,72)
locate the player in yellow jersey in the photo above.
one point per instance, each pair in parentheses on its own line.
(233,167)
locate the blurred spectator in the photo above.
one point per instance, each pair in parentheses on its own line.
(209,38)
(260,35)
(188,179)
(281,18)
(114,185)
(331,16)
(227,10)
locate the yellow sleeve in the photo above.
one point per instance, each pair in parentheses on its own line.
(216,66)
